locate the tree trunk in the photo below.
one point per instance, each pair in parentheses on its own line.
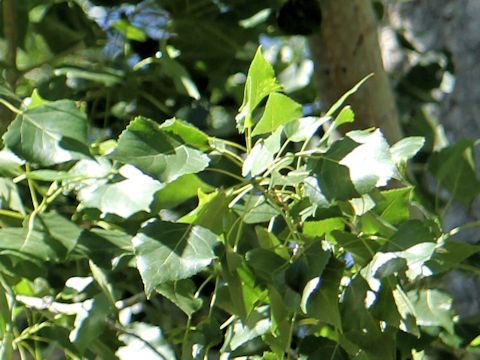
(345,50)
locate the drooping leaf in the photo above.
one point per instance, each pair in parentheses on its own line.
(280,109)
(49,134)
(180,76)
(145,145)
(260,83)
(168,252)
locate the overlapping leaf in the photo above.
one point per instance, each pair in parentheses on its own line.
(145,145)
(49,134)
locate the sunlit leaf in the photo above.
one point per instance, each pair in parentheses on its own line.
(145,145)
(260,83)
(280,109)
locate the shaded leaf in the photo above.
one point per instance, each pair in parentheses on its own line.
(179,191)
(181,293)
(49,134)
(168,252)
(454,169)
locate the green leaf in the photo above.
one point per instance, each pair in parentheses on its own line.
(406,148)
(179,191)
(394,205)
(454,169)
(410,233)
(189,134)
(102,246)
(123,198)
(280,109)
(90,322)
(256,324)
(432,308)
(181,293)
(450,255)
(333,178)
(340,101)
(322,227)
(49,134)
(345,116)
(320,296)
(129,31)
(313,191)
(369,163)
(255,210)
(303,129)
(362,249)
(265,263)
(10,164)
(262,155)
(210,211)
(179,74)
(260,83)
(10,196)
(168,252)
(145,145)
(321,348)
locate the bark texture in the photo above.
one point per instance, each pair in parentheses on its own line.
(345,50)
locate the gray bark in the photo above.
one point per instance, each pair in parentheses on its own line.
(346,50)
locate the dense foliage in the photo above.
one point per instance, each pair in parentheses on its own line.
(128,232)
(301,254)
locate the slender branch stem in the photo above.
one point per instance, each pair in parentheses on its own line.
(10,107)
(31,187)
(121,329)
(12,214)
